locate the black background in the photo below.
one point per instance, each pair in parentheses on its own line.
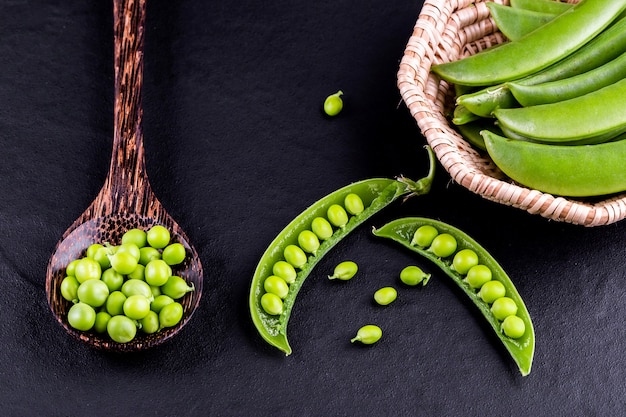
(236,146)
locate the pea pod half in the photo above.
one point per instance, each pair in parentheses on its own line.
(403,231)
(270,313)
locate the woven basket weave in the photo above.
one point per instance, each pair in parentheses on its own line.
(449,30)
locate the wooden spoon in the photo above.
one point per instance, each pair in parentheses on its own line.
(126,200)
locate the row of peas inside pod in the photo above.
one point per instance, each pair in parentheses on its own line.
(120,289)
(295,256)
(477,276)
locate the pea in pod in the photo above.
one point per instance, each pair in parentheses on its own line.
(375,194)
(521,347)
(548,44)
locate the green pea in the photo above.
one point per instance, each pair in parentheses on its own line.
(121,329)
(137,237)
(424,236)
(102,257)
(112,279)
(129,248)
(92,249)
(150,323)
(353,204)
(285,270)
(368,334)
(333,104)
(443,245)
(159,302)
(412,275)
(102,319)
(478,275)
(514,327)
(295,256)
(322,228)
(138,272)
(385,296)
(503,307)
(464,260)
(158,236)
(176,287)
(308,241)
(337,215)
(171,314)
(174,254)
(87,269)
(71,268)
(344,271)
(276,285)
(491,291)
(272,304)
(147,254)
(69,288)
(115,303)
(81,316)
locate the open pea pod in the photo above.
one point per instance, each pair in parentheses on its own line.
(403,231)
(375,194)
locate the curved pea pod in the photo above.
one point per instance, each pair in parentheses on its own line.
(566,88)
(544,6)
(588,116)
(606,46)
(376,194)
(574,171)
(521,349)
(515,23)
(548,44)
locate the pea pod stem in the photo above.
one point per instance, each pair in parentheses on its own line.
(402,231)
(376,193)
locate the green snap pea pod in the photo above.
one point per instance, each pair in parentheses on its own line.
(575,171)
(591,115)
(463,116)
(402,231)
(606,46)
(500,129)
(546,6)
(578,85)
(471,132)
(548,44)
(376,194)
(515,23)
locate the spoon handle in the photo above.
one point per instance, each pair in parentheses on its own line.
(127,176)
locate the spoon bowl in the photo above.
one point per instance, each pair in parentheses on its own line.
(126,200)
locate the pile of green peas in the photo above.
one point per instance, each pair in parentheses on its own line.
(120,289)
(295,255)
(477,276)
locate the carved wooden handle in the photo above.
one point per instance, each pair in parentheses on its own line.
(127,171)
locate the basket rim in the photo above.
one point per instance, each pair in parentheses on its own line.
(445,30)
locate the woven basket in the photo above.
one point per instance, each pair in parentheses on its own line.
(449,30)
